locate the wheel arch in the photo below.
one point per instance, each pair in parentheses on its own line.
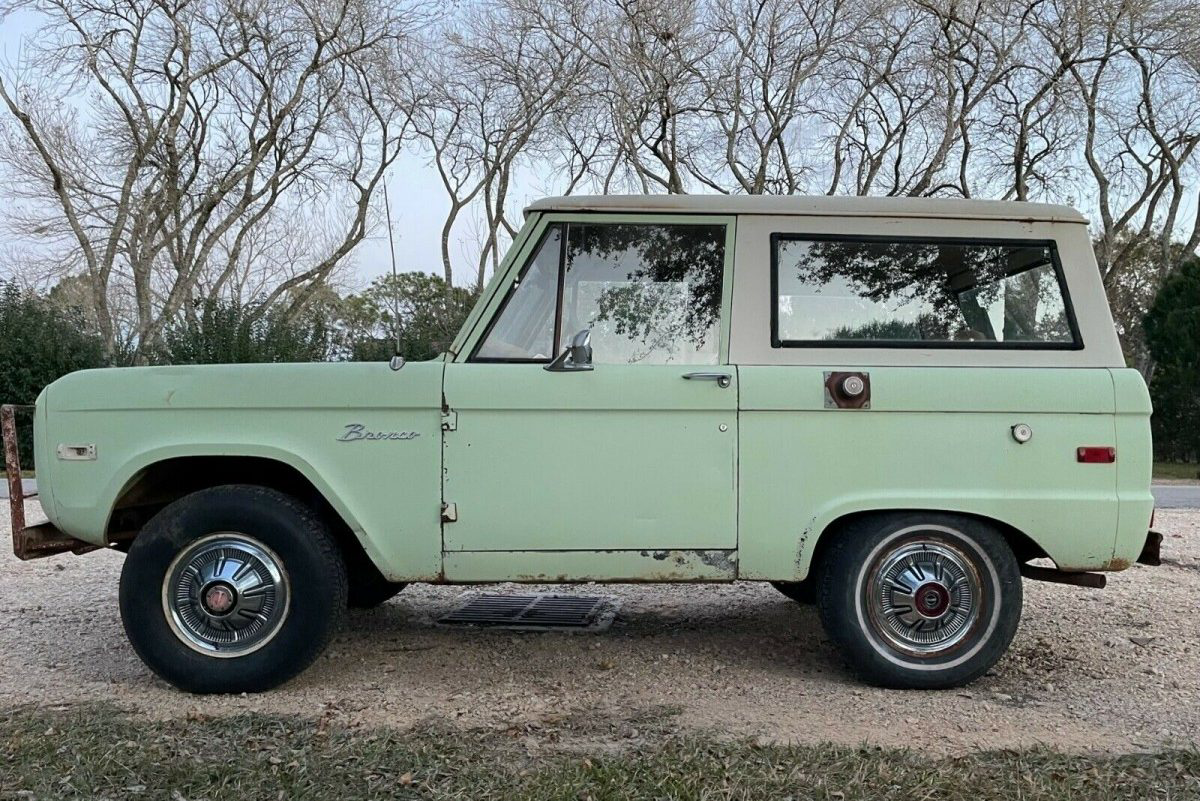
(165,478)
(1023,546)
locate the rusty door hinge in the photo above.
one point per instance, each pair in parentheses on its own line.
(449,513)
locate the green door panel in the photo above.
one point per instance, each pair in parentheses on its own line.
(933,438)
(625,457)
(388,490)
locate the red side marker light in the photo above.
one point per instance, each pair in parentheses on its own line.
(1096,454)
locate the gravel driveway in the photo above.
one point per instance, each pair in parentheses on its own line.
(1114,669)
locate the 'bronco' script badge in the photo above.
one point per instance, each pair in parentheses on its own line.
(357,431)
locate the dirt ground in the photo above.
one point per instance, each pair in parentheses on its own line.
(1111,670)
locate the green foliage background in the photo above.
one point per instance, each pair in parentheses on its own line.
(45,337)
(419,311)
(228,332)
(39,342)
(1173,336)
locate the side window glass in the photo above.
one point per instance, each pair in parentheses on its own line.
(908,292)
(524,328)
(650,293)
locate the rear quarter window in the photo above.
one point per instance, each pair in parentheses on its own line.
(839,291)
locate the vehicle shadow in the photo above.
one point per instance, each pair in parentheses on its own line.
(704,628)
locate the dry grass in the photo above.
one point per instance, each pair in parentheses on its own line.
(96,751)
(1176,470)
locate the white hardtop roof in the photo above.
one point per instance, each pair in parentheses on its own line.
(812,206)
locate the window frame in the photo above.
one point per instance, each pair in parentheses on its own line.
(496,298)
(777,237)
(511,291)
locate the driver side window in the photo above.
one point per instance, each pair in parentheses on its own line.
(649,292)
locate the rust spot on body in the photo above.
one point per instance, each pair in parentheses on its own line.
(721,560)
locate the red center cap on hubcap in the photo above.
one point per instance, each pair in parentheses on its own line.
(218,599)
(932,600)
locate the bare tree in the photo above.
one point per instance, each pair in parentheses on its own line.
(500,76)
(646,67)
(1133,98)
(765,83)
(210,129)
(531,76)
(443,124)
(1030,145)
(878,94)
(185,127)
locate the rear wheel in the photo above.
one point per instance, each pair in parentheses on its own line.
(232,589)
(920,600)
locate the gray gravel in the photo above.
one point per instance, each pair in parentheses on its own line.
(1114,669)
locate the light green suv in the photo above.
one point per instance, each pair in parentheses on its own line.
(888,407)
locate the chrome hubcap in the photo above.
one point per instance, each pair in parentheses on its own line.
(924,597)
(226,595)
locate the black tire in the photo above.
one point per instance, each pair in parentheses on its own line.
(802,592)
(865,614)
(369,589)
(307,598)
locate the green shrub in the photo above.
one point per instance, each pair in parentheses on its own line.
(229,332)
(417,309)
(1173,336)
(39,342)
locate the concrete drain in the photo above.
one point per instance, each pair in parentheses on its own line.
(534,612)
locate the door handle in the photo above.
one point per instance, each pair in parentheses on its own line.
(723,380)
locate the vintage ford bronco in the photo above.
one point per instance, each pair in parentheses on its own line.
(887,407)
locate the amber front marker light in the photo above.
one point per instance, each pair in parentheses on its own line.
(1096,454)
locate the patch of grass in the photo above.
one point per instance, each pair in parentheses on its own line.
(98,752)
(1176,470)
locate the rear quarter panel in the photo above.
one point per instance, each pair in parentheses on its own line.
(934,438)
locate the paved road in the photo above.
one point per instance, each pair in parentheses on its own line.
(28,483)
(1177,496)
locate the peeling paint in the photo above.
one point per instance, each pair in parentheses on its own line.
(721,560)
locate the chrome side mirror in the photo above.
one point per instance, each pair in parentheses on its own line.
(576,356)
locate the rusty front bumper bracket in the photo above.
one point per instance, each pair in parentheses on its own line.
(40,539)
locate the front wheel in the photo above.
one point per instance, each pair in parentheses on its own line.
(232,589)
(920,600)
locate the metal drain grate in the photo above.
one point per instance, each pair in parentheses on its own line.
(534,612)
